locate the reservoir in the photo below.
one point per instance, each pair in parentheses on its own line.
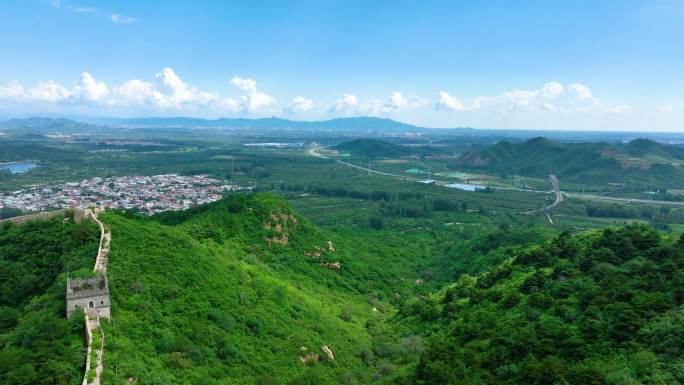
(465,186)
(17,167)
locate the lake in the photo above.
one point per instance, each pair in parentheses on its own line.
(465,186)
(17,167)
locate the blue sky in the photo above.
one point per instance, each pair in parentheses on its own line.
(489,64)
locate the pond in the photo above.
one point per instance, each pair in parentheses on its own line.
(465,186)
(17,167)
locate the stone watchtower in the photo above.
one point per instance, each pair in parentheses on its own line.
(89,294)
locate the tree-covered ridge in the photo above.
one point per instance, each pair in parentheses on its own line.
(375,148)
(583,162)
(37,344)
(239,292)
(595,308)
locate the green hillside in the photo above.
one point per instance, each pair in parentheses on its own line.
(239,291)
(597,308)
(38,345)
(649,148)
(374,148)
(246,291)
(583,162)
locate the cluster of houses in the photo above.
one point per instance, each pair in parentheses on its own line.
(148,194)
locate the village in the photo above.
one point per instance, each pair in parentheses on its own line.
(148,194)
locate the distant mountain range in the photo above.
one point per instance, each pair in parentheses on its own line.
(47,124)
(44,125)
(354,123)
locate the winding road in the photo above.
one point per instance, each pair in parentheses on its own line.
(557,191)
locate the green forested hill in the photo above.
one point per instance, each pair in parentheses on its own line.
(375,148)
(243,290)
(238,292)
(596,308)
(38,345)
(583,162)
(649,148)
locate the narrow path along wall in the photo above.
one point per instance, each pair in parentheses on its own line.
(96,341)
(93,295)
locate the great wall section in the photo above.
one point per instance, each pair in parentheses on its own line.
(88,294)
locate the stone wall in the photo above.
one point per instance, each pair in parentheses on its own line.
(33,217)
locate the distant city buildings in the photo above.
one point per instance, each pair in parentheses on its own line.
(148,194)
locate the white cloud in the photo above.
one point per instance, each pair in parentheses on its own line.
(397,101)
(228,105)
(120,19)
(49,91)
(247,85)
(13,90)
(136,91)
(255,100)
(169,91)
(348,104)
(90,89)
(177,92)
(546,106)
(580,91)
(451,103)
(552,96)
(552,90)
(551,105)
(300,104)
(516,100)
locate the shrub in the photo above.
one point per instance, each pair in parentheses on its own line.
(346,314)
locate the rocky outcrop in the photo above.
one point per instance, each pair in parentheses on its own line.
(305,359)
(334,266)
(325,349)
(279,226)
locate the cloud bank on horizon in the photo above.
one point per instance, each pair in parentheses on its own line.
(168,94)
(608,65)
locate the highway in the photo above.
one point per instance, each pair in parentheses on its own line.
(557,191)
